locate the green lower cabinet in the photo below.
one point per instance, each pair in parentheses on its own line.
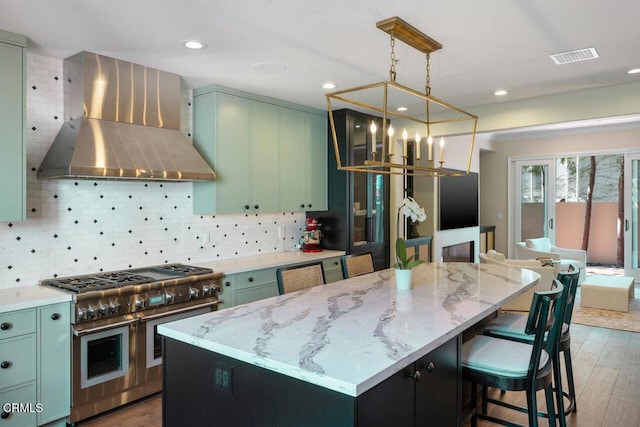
(35,348)
(228,293)
(249,286)
(54,341)
(255,285)
(332,270)
(24,416)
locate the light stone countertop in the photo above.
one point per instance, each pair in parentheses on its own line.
(21,297)
(257,262)
(350,335)
(28,296)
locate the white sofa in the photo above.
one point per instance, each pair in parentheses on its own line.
(542,248)
(547,274)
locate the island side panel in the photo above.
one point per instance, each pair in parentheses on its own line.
(254,396)
(259,397)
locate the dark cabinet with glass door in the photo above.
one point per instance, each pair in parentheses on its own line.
(357,219)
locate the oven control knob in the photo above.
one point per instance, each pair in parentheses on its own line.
(114,307)
(81,314)
(206,290)
(169,297)
(193,293)
(102,309)
(139,304)
(91,312)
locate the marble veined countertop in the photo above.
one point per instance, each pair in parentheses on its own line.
(350,335)
(257,262)
(21,297)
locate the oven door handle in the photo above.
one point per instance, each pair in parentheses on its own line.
(80,332)
(182,310)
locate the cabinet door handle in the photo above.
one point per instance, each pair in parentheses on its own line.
(256,207)
(55,316)
(250,279)
(309,205)
(5,364)
(6,326)
(414,375)
(227,284)
(5,415)
(429,367)
(302,206)
(247,206)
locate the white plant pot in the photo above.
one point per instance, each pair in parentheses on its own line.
(403,279)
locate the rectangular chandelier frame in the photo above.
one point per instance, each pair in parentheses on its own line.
(403,31)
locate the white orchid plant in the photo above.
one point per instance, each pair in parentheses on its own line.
(410,209)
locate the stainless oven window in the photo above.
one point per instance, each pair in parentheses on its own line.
(154,340)
(104,356)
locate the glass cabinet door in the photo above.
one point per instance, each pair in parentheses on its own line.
(367,204)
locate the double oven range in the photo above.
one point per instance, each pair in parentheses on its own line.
(116,350)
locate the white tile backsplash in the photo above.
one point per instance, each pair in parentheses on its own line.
(85,226)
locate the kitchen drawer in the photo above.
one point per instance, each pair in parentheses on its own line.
(24,394)
(255,278)
(256,293)
(17,322)
(332,270)
(17,360)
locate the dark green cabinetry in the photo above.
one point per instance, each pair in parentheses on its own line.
(259,397)
(357,219)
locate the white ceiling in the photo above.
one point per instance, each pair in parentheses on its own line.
(488,44)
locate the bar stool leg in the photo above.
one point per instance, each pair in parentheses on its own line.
(573,406)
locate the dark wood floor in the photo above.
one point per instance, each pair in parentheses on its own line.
(607,375)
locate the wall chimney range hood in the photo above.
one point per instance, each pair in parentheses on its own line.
(122,121)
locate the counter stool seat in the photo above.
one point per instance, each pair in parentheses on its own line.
(512,326)
(518,366)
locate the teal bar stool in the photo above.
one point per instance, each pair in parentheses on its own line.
(518,366)
(511,326)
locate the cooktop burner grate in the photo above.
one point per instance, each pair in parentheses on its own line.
(118,279)
(96,282)
(187,270)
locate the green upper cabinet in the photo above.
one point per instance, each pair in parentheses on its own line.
(266,153)
(303,154)
(316,158)
(12,113)
(264,171)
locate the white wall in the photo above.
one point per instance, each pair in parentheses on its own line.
(494,201)
(84,226)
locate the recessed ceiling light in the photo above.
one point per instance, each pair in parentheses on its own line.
(402,108)
(328,85)
(270,68)
(500,92)
(634,71)
(193,44)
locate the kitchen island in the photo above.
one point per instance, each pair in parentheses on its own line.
(347,353)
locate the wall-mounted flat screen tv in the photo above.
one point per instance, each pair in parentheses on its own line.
(458,201)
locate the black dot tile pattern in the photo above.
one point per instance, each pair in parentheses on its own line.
(84,226)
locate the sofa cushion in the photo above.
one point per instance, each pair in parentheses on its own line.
(540,244)
(497,256)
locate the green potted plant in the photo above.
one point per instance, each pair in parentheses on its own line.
(404,265)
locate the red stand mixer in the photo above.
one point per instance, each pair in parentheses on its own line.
(312,235)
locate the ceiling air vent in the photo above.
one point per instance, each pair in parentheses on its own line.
(575,56)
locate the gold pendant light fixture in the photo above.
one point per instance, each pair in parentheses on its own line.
(437,120)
